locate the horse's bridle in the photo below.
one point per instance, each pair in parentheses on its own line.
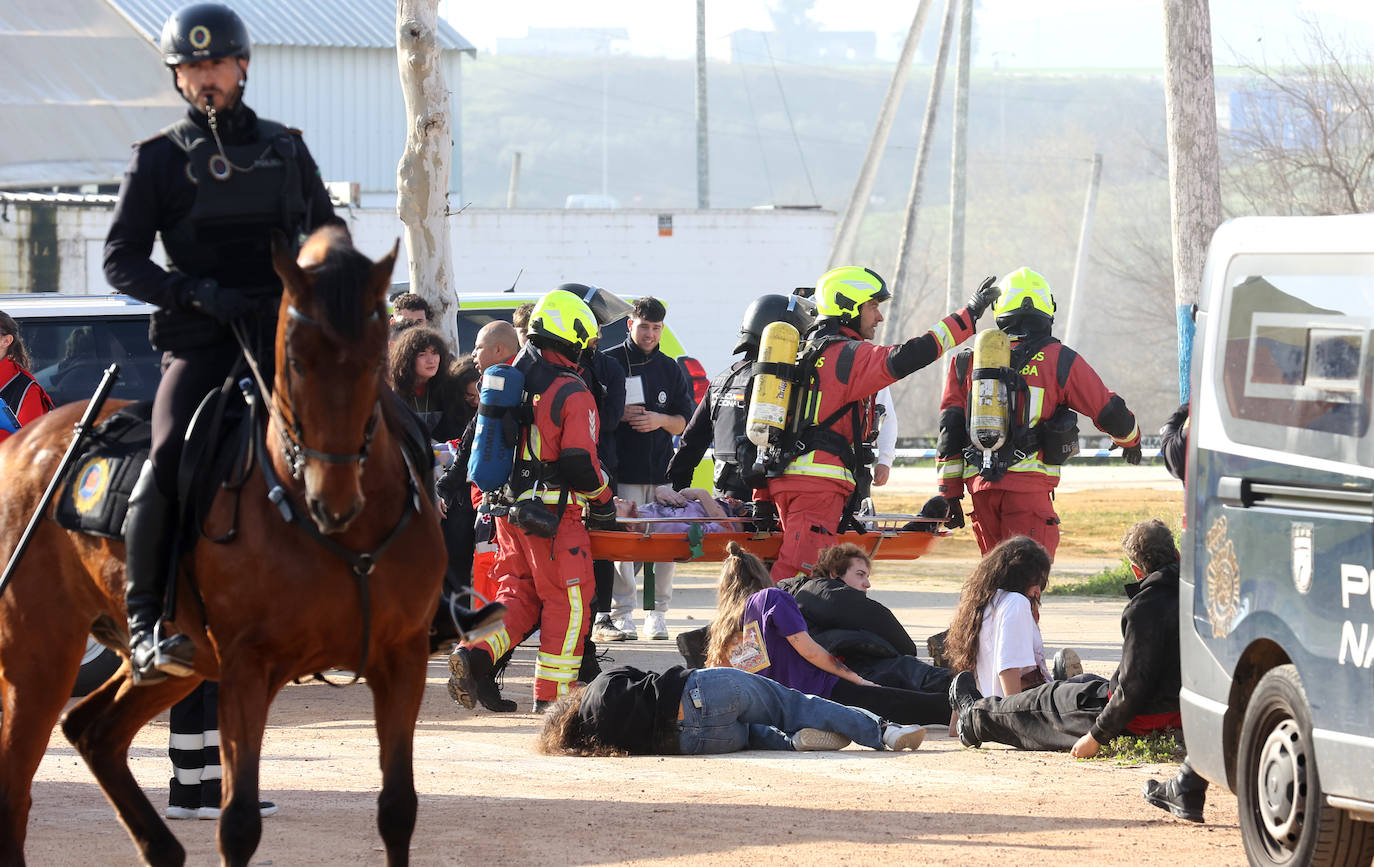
(292,435)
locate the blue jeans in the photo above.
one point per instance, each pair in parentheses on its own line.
(725,710)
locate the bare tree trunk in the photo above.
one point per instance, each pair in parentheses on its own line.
(958,162)
(423,174)
(1194,174)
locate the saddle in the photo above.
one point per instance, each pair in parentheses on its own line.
(94,497)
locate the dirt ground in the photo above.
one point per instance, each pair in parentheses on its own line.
(486,797)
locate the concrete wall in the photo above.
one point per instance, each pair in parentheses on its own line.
(707,271)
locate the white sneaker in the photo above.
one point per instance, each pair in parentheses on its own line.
(627,626)
(604,630)
(654,627)
(897,737)
(174,812)
(818,739)
(265,809)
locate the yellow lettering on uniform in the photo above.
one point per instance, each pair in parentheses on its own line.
(1030,370)
(820,362)
(1039,356)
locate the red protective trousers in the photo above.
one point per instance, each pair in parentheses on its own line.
(809,511)
(545,583)
(999,514)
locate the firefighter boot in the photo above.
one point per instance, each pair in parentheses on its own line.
(148,535)
(473,681)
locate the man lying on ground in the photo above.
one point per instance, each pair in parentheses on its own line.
(1084,712)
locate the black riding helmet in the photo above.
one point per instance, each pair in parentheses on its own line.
(795,310)
(607,308)
(204,31)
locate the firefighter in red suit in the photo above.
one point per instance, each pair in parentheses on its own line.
(842,372)
(1012,490)
(543,561)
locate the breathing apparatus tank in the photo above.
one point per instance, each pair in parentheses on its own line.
(989,420)
(771,389)
(498,429)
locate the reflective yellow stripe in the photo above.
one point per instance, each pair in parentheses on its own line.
(806,465)
(1037,404)
(950,468)
(574,620)
(550,497)
(1031,465)
(561,670)
(943,336)
(1135,432)
(497,644)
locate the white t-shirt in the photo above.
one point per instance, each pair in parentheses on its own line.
(1010,638)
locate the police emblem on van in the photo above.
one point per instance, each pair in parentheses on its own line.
(1302,557)
(1223,580)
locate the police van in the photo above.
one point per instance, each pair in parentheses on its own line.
(1277,602)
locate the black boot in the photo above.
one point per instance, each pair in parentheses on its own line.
(473,681)
(148,534)
(1184,795)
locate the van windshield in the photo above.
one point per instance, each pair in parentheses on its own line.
(70,354)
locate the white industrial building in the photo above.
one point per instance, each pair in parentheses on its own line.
(85,80)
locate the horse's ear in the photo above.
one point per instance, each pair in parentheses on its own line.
(284,263)
(382,269)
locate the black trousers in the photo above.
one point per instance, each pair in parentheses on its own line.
(1052,716)
(905,672)
(895,705)
(460,541)
(189,375)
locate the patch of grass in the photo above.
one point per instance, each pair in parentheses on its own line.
(1160,747)
(1109,582)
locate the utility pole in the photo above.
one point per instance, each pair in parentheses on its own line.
(958,163)
(605,119)
(847,234)
(514,180)
(703,155)
(1085,240)
(913,202)
(1190,105)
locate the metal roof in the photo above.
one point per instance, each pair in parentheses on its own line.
(318,23)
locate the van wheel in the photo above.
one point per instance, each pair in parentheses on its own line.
(1284,818)
(97,664)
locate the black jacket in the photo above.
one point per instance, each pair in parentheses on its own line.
(643,457)
(1148,679)
(1173,442)
(635,711)
(830,604)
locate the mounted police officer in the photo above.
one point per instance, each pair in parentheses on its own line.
(215,185)
(842,371)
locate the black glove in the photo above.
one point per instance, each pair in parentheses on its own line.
(956,513)
(1131,454)
(220,304)
(983,296)
(601,516)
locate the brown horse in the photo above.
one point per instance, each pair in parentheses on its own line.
(280,600)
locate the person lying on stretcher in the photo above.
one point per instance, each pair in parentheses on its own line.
(687,503)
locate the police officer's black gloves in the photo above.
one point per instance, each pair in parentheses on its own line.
(601,516)
(220,304)
(1131,454)
(983,297)
(956,513)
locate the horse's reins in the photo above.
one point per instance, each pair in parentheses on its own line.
(360,563)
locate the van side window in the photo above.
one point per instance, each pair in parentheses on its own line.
(1296,368)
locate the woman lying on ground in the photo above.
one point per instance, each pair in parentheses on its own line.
(760,629)
(706,711)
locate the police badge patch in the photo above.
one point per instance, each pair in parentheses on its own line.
(1223,580)
(1302,557)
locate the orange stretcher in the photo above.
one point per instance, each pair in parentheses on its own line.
(888,540)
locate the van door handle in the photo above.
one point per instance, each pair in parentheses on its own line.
(1245,493)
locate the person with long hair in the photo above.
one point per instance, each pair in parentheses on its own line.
(625,711)
(1081,713)
(21,393)
(995,631)
(862,631)
(760,629)
(422,374)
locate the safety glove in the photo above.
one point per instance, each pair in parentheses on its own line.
(956,513)
(220,304)
(601,516)
(1131,454)
(983,297)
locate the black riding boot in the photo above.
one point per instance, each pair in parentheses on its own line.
(148,534)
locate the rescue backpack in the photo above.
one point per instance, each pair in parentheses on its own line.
(1055,436)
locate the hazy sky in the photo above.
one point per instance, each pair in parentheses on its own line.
(1014,33)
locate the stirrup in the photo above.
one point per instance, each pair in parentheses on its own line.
(479,622)
(173,655)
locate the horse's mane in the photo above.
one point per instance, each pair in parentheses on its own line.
(341,287)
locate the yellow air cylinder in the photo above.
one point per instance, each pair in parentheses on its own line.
(770,394)
(989,419)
